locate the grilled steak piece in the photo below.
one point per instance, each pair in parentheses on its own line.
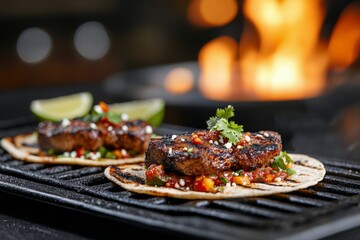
(205,152)
(66,138)
(129,135)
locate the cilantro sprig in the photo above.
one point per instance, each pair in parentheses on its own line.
(228,129)
(281,161)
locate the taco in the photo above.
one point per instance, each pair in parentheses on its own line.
(101,138)
(219,162)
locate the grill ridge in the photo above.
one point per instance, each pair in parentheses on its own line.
(255,217)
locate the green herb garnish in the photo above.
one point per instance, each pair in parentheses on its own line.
(102,150)
(51,151)
(281,161)
(224,179)
(220,122)
(110,155)
(114,117)
(95,116)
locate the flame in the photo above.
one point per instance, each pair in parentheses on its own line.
(282,58)
(344,46)
(283,67)
(216,61)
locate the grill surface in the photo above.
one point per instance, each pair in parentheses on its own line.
(329,207)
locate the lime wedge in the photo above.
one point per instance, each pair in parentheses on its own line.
(151,110)
(68,106)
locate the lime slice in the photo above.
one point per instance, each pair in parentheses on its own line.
(68,106)
(151,110)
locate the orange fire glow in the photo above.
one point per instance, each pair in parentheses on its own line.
(179,81)
(283,67)
(284,59)
(344,46)
(280,54)
(212,12)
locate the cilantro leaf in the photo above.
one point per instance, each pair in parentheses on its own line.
(220,122)
(114,117)
(224,179)
(281,161)
(93,117)
(226,112)
(212,122)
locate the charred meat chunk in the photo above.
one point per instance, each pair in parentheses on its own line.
(130,135)
(206,152)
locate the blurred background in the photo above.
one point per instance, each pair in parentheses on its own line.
(66,42)
(286,65)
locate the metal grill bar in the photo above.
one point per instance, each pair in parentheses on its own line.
(52,170)
(321,194)
(73,174)
(280,206)
(342,181)
(248,209)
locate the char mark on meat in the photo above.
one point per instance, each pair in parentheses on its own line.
(180,154)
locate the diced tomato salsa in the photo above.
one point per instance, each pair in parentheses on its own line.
(156,176)
(100,154)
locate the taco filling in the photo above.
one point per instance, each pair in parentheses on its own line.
(100,134)
(223,155)
(220,162)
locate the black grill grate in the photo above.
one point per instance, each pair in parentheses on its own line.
(311,212)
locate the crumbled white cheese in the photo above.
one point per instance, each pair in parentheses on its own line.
(239,147)
(247,138)
(65,122)
(94,156)
(173,137)
(123,152)
(211,141)
(260,136)
(91,155)
(228,145)
(98,109)
(216,143)
(221,139)
(233,184)
(278,179)
(93,126)
(185,148)
(183,140)
(170,150)
(228,184)
(73,154)
(66,154)
(124,117)
(148,130)
(110,128)
(187,188)
(182,182)
(125,128)
(266,134)
(177,185)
